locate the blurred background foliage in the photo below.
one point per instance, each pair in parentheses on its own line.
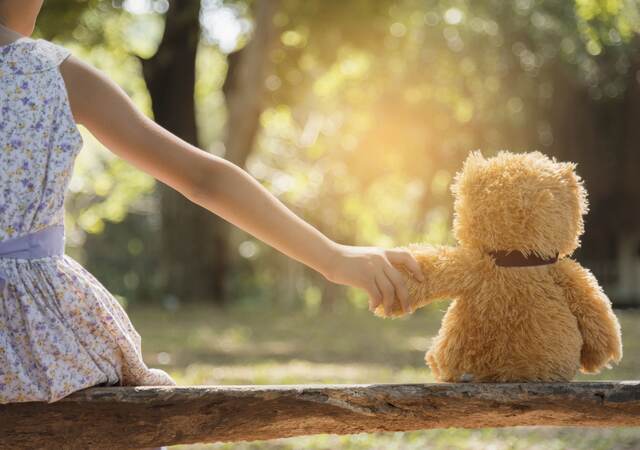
(365,111)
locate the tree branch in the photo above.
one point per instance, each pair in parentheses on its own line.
(134,417)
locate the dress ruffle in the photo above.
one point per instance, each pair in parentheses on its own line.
(63,331)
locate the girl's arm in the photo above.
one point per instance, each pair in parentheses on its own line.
(225,189)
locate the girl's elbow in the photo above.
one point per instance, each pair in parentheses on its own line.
(207,183)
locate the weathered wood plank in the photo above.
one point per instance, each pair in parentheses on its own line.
(134,417)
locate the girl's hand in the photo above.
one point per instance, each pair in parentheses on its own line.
(371,269)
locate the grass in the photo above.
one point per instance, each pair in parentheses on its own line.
(199,344)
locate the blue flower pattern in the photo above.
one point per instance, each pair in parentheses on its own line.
(61,330)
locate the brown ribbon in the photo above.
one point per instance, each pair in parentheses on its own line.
(514,258)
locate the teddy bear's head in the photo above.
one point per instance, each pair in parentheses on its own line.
(519,201)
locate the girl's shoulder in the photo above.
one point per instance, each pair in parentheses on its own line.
(26,56)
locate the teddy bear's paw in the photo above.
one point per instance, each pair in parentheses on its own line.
(594,360)
(395,312)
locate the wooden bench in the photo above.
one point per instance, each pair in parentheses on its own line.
(135,417)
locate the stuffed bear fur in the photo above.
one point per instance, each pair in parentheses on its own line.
(514,324)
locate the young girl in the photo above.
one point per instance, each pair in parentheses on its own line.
(60,329)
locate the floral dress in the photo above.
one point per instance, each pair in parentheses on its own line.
(60,328)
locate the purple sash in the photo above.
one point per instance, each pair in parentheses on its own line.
(48,241)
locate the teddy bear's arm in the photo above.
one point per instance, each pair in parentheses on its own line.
(445,272)
(598,324)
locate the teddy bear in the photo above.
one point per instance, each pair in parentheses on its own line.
(522,310)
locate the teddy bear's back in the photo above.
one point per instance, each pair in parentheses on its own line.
(515,326)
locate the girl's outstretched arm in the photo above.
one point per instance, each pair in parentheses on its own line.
(226,190)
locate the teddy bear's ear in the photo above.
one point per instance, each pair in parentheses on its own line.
(568,168)
(470,168)
(474,160)
(567,171)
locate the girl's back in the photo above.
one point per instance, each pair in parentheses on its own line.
(38,137)
(60,329)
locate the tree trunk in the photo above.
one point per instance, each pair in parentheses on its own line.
(628,178)
(243,90)
(190,261)
(196,254)
(244,85)
(580,136)
(602,137)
